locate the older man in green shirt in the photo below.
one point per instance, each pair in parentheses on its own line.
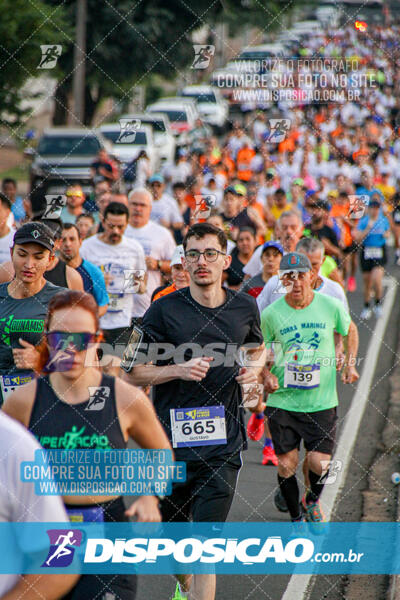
(301,384)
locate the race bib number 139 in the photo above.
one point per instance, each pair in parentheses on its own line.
(201,426)
(302,376)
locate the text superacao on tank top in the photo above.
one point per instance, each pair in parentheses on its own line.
(92,424)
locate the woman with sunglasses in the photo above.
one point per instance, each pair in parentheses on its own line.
(57,409)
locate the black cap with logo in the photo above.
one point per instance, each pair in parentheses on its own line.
(37,233)
(294,261)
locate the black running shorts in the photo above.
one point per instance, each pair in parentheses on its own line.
(207,493)
(316,429)
(367,264)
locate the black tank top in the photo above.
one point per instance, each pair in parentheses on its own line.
(92,424)
(58,275)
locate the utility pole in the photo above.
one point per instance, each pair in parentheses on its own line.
(79,62)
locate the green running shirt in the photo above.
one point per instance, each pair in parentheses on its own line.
(304,339)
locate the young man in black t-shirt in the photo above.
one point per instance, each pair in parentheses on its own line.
(199,401)
(320,229)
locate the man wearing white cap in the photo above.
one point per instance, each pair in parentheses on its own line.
(180,276)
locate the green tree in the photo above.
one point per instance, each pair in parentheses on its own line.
(129,41)
(24,27)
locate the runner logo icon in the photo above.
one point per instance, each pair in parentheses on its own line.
(54,205)
(330,471)
(278,129)
(98,397)
(62,547)
(203,54)
(50,54)
(204,204)
(128,130)
(357,205)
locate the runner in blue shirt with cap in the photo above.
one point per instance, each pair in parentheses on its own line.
(371,234)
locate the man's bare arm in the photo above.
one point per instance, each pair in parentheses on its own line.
(350,374)
(103,310)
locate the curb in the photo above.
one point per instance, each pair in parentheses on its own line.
(391,440)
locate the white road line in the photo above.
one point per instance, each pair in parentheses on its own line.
(298,586)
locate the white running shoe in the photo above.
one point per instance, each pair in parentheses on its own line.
(378,310)
(366,313)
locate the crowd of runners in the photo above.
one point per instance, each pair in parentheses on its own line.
(242,242)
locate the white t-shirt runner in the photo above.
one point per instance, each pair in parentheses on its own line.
(118,260)
(274,289)
(166,209)
(18,500)
(5,244)
(157,242)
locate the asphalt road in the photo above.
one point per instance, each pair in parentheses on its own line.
(257,484)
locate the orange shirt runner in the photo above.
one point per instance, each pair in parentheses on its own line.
(168,290)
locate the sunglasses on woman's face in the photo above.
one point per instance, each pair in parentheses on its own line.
(63,340)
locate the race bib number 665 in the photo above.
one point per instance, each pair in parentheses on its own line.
(198,426)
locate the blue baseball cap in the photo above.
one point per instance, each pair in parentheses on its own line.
(156,178)
(272,244)
(309,193)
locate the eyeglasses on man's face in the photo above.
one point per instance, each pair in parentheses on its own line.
(210,254)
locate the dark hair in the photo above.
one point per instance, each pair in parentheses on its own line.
(116,208)
(8,180)
(396,198)
(67,299)
(200,230)
(85,214)
(55,226)
(191,181)
(5,200)
(68,226)
(179,185)
(248,230)
(103,181)
(280,191)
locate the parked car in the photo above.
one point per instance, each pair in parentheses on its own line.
(229,78)
(262,52)
(328,13)
(211,105)
(311,26)
(162,133)
(182,113)
(125,152)
(63,157)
